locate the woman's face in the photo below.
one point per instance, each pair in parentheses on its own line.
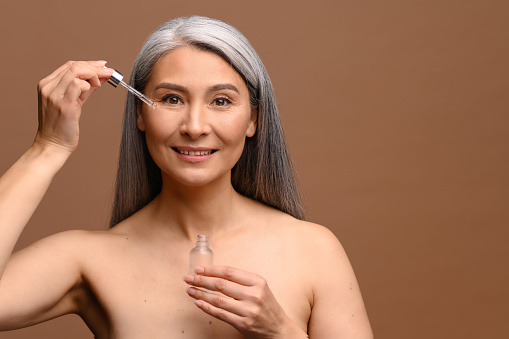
(196,133)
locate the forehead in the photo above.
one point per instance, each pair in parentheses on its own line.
(190,66)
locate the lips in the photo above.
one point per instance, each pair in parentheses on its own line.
(194,154)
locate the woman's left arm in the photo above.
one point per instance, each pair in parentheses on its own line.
(338,309)
(244,301)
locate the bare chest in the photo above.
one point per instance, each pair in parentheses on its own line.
(144,295)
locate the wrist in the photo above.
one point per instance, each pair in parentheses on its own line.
(45,159)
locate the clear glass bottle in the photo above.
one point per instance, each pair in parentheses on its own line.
(201,254)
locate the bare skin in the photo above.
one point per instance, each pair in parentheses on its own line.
(273,276)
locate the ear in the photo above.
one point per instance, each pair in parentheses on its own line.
(139,118)
(251,128)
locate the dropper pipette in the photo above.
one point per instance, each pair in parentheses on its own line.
(116,79)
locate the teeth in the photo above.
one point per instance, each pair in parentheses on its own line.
(194,152)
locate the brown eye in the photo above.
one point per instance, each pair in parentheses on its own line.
(221,102)
(172,100)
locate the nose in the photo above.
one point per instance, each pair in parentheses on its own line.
(195,123)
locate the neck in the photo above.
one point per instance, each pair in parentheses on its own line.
(191,210)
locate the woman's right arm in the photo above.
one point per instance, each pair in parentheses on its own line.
(61,97)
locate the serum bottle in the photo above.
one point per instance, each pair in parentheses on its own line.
(201,254)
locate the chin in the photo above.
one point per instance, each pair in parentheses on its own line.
(194,179)
(195,182)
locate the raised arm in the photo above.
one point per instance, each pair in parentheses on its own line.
(29,287)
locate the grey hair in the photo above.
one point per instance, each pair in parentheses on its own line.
(264,171)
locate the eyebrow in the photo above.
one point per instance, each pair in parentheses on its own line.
(218,87)
(223,86)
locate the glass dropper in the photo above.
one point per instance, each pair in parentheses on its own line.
(116,79)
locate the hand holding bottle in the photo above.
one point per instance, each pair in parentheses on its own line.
(244,301)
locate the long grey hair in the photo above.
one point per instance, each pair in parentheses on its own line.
(264,171)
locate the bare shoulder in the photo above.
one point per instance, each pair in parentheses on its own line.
(66,241)
(311,246)
(85,246)
(337,306)
(315,236)
(75,244)
(320,244)
(312,237)
(77,238)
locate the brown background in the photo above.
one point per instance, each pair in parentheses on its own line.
(396,115)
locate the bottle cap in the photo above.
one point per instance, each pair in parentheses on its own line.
(115,78)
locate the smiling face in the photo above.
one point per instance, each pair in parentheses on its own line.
(197,132)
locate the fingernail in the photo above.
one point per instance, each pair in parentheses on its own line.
(108,70)
(189,278)
(198,303)
(199,270)
(191,291)
(100,62)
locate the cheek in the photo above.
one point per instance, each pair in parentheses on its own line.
(234,140)
(232,130)
(159,127)
(157,134)
(235,130)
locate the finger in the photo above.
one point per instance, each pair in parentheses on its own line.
(48,84)
(85,70)
(58,72)
(226,287)
(220,301)
(219,313)
(91,71)
(82,71)
(229,273)
(103,76)
(76,91)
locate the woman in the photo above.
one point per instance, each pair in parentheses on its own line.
(209,159)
